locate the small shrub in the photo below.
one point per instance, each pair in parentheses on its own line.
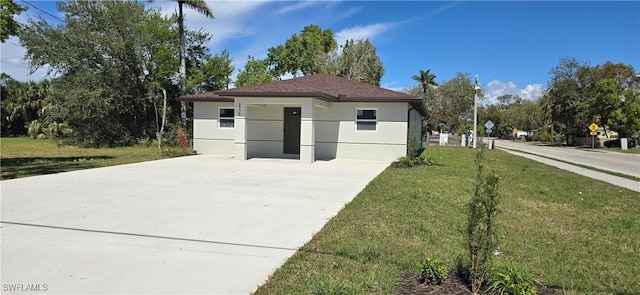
(480,237)
(417,159)
(35,128)
(182,140)
(56,130)
(433,271)
(543,135)
(406,161)
(509,279)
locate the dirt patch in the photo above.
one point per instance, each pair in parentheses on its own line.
(412,284)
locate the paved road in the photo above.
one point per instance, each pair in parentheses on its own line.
(611,161)
(628,164)
(197,224)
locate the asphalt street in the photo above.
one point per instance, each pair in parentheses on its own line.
(617,162)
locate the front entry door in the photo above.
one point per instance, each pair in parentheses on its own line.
(292,130)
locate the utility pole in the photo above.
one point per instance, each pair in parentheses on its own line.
(475,112)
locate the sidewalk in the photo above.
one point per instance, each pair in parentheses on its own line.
(615,180)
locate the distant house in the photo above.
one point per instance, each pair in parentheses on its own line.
(311,117)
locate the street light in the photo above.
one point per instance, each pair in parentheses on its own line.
(475,112)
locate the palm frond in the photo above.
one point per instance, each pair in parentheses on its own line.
(199,6)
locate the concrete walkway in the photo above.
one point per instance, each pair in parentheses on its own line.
(197,225)
(612,179)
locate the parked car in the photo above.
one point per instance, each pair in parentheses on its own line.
(612,143)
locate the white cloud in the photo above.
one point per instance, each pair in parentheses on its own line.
(230,18)
(349,12)
(12,62)
(393,85)
(497,88)
(297,6)
(443,8)
(358,32)
(532,91)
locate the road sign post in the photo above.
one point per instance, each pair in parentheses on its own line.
(594,130)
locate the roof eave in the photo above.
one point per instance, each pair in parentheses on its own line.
(205,98)
(318,95)
(419,107)
(380,99)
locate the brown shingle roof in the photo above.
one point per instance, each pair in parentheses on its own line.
(205,96)
(321,86)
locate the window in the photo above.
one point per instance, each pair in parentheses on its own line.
(366,119)
(225,118)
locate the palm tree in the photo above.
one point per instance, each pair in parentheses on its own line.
(426,79)
(201,7)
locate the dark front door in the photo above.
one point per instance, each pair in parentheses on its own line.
(292,130)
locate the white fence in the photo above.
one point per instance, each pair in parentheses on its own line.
(453,140)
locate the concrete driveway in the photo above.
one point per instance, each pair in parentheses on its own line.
(197,224)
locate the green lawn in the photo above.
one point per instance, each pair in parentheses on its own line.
(571,232)
(24,156)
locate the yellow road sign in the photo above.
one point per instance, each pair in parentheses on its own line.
(594,133)
(593,127)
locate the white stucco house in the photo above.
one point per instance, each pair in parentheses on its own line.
(311,117)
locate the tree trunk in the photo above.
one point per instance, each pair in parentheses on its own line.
(160,132)
(183,67)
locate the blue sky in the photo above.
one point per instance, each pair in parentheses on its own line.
(511,45)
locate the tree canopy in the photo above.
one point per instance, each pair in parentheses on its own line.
(8,25)
(255,72)
(315,51)
(108,74)
(579,95)
(301,54)
(359,62)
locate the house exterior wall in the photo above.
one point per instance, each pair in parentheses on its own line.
(337,137)
(265,124)
(207,137)
(328,129)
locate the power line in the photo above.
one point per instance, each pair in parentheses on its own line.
(49,14)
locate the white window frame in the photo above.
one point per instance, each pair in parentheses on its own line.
(366,120)
(232,118)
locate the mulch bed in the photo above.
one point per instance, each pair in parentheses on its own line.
(397,164)
(411,284)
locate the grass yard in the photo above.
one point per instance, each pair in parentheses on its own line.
(24,156)
(573,233)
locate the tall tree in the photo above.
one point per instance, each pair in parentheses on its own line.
(426,80)
(201,7)
(213,73)
(359,62)
(565,98)
(106,68)
(604,90)
(454,104)
(255,72)
(628,115)
(314,51)
(8,25)
(23,102)
(301,54)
